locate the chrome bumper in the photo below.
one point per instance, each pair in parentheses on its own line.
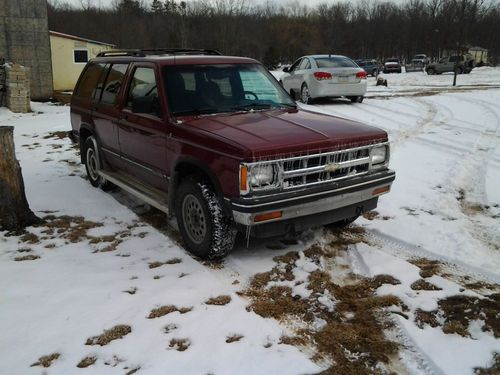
(321,205)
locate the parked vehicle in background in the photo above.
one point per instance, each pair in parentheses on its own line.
(217,142)
(421,59)
(325,76)
(417,63)
(371,67)
(461,63)
(392,65)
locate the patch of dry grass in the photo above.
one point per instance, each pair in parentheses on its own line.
(27,257)
(46,360)
(157,264)
(179,344)
(115,333)
(234,338)
(219,300)
(72,228)
(458,311)
(356,325)
(427,267)
(30,238)
(421,284)
(86,362)
(168,309)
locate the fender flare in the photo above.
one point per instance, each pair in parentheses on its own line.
(197,164)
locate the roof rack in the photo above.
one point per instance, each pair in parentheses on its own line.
(158,51)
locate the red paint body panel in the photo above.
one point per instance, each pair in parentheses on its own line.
(267,134)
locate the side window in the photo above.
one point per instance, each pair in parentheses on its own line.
(143,87)
(88,82)
(295,65)
(113,83)
(305,64)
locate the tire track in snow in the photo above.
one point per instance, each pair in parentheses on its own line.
(410,351)
(469,178)
(405,250)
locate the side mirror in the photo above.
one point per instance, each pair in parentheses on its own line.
(286,69)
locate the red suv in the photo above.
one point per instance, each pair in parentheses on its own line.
(218,143)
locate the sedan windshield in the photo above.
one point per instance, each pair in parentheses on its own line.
(335,62)
(207,89)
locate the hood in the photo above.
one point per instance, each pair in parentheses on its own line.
(279,132)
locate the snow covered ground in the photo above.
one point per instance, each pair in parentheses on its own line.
(104,260)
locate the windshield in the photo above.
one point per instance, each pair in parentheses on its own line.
(206,89)
(335,62)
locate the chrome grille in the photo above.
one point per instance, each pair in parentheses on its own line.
(320,168)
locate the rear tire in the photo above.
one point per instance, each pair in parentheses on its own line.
(356,99)
(431,71)
(93,164)
(205,230)
(305,97)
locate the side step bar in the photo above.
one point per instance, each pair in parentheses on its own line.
(151,196)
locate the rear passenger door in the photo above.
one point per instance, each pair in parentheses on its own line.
(106,112)
(143,135)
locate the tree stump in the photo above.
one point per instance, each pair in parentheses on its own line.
(15,213)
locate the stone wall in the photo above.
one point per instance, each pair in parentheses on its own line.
(24,39)
(16,95)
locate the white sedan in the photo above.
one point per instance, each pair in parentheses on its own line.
(325,76)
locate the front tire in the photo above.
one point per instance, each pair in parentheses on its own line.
(431,71)
(205,230)
(93,164)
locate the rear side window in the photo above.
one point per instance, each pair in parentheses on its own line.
(113,83)
(88,82)
(335,62)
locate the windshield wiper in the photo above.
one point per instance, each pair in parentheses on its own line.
(288,105)
(197,111)
(252,106)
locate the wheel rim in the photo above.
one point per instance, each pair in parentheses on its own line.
(194,219)
(92,164)
(305,94)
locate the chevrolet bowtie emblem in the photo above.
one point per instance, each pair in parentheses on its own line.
(331,167)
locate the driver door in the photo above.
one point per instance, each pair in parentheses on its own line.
(142,136)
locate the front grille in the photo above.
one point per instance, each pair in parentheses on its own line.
(320,168)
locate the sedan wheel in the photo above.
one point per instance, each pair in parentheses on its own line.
(304,94)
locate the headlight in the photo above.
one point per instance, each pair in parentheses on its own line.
(378,154)
(262,175)
(259,176)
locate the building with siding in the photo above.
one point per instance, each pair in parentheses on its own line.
(69,55)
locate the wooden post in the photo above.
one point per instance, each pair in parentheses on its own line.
(15,213)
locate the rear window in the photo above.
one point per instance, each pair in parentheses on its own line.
(335,62)
(88,82)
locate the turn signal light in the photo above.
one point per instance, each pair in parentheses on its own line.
(381,190)
(243,178)
(320,76)
(268,216)
(361,75)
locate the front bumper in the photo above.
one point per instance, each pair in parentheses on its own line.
(309,204)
